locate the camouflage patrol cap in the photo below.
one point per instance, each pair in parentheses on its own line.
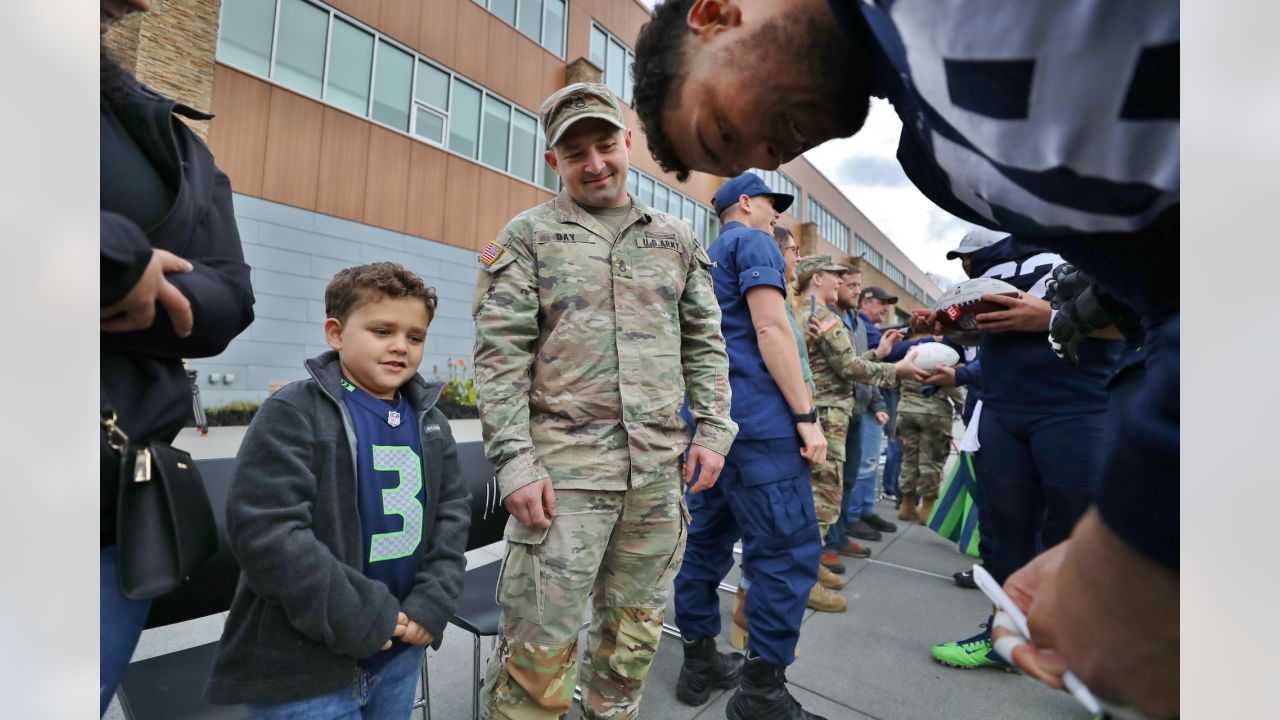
(575,102)
(810,264)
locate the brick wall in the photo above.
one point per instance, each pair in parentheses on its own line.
(172,49)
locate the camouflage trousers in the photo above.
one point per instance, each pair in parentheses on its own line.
(620,548)
(926,442)
(827,478)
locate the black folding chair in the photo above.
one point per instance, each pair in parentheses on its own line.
(477,611)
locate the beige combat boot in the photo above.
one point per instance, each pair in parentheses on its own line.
(926,509)
(828,579)
(908,509)
(738,632)
(823,600)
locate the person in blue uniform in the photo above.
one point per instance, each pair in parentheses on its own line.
(763,495)
(348,515)
(1029,118)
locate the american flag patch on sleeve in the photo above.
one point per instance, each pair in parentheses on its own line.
(491,253)
(827,323)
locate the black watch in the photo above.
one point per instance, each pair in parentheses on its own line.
(809,417)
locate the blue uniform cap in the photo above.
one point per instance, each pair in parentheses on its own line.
(749,184)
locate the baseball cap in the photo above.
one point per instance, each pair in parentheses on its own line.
(974,241)
(749,184)
(575,102)
(878,293)
(810,264)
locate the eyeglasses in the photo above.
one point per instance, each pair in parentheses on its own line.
(792,248)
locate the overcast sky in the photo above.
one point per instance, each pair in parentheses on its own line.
(865,169)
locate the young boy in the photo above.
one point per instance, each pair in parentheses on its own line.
(348,515)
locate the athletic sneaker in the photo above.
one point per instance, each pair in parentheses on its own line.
(964,579)
(975,652)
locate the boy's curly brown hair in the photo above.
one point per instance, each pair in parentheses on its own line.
(356,286)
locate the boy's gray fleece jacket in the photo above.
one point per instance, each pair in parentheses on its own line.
(303,610)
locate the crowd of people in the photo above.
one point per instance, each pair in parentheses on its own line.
(648,403)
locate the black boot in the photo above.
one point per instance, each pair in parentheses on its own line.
(705,668)
(763,695)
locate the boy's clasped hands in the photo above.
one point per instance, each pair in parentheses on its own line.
(410,632)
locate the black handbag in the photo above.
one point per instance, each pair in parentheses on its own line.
(164,523)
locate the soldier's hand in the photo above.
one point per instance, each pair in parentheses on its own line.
(882,417)
(815,443)
(907,366)
(811,330)
(887,341)
(534,504)
(710,462)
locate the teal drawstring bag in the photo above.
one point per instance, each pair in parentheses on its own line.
(955,514)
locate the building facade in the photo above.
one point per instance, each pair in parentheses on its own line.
(406,130)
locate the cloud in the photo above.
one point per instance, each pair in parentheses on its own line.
(871,171)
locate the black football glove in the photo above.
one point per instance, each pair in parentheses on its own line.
(1082,306)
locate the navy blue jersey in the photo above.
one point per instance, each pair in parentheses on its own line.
(390,492)
(1019,369)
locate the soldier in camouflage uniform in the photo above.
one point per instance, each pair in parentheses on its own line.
(835,369)
(594,315)
(924,429)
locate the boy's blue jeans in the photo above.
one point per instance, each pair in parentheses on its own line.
(386,693)
(120,623)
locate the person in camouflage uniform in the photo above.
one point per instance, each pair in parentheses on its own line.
(835,369)
(594,315)
(924,429)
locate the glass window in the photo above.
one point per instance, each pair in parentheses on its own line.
(599,41)
(350,60)
(244,35)
(633,182)
(553,28)
(687,211)
(660,198)
(430,125)
(700,224)
(393,86)
(646,190)
(531,19)
(505,9)
(493,141)
(524,149)
(464,119)
(550,180)
(613,65)
(433,86)
(304,29)
(626,78)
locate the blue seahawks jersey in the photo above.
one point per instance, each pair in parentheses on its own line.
(390,492)
(1019,370)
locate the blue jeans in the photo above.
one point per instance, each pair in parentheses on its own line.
(386,693)
(838,535)
(120,623)
(892,467)
(864,488)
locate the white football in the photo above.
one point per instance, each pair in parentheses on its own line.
(932,355)
(958,306)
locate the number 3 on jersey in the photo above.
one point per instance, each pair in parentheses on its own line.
(400,500)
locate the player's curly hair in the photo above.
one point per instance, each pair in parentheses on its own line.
(658,73)
(362,284)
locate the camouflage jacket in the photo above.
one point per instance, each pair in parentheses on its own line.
(835,366)
(944,403)
(585,346)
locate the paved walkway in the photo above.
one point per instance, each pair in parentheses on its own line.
(869,662)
